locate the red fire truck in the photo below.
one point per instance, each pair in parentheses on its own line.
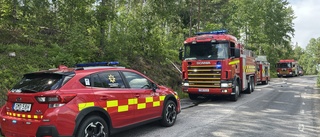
(263,70)
(215,63)
(287,67)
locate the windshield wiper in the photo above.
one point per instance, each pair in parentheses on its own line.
(191,58)
(26,90)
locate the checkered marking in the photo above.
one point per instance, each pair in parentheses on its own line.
(124,105)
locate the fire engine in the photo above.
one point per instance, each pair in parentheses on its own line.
(287,67)
(263,69)
(215,63)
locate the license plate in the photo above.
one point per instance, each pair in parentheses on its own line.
(21,107)
(203,90)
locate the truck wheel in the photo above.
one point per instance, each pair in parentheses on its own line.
(249,88)
(169,114)
(265,82)
(253,84)
(193,96)
(235,90)
(93,126)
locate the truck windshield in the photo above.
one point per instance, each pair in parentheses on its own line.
(206,51)
(284,65)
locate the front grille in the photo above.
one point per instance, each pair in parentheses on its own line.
(204,76)
(284,72)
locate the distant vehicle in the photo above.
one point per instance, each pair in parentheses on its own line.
(263,69)
(215,63)
(90,100)
(300,71)
(287,67)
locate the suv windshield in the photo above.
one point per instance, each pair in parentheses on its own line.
(206,50)
(38,82)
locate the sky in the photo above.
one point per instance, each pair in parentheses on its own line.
(307,21)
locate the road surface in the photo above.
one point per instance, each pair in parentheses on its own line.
(287,107)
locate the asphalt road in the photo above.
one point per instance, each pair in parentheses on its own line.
(287,107)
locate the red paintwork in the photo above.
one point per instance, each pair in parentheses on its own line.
(63,117)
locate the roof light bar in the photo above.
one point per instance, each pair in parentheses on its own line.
(91,64)
(223,31)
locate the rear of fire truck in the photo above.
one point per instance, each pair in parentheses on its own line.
(214,63)
(287,67)
(263,70)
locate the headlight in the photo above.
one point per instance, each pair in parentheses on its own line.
(226,85)
(185,84)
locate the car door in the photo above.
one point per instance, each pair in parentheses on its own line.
(149,104)
(114,97)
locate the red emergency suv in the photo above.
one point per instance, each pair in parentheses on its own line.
(85,102)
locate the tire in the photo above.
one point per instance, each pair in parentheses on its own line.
(193,96)
(93,126)
(265,82)
(249,88)
(169,114)
(253,85)
(236,90)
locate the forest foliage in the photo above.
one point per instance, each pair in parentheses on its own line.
(140,34)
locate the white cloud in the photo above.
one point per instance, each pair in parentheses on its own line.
(307,22)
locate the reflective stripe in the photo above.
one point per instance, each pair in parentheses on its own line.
(162,98)
(18,115)
(123,108)
(112,103)
(132,101)
(85,105)
(234,62)
(149,99)
(156,103)
(249,68)
(142,106)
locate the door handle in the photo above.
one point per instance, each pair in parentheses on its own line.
(137,95)
(104,98)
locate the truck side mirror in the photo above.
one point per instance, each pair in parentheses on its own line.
(180,53)
(237,53)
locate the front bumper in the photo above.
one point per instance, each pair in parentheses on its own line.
(208,91)
(284,75)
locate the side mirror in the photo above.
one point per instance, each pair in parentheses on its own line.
(154,87)
(180,53)
(237,53)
